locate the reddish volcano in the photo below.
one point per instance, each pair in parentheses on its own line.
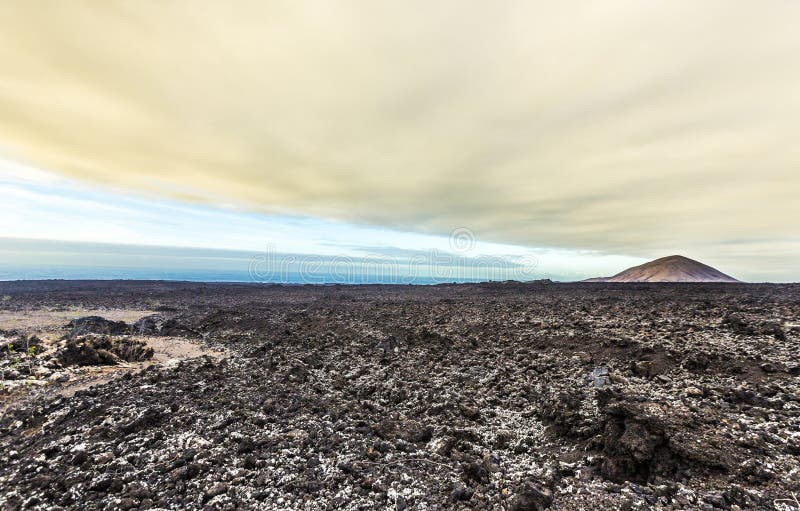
(669,269)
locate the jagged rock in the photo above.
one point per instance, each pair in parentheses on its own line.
(96,325)
(532,497)
(599,377)
(92,350)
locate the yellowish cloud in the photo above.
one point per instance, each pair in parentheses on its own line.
(626,126)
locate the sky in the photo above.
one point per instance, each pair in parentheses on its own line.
(577,137)
(55,228)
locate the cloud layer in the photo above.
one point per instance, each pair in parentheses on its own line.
(50,222)
(627,127)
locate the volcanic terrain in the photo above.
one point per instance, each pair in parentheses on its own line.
(669,269)
(486,396)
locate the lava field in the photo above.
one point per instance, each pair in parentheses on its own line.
(482,396)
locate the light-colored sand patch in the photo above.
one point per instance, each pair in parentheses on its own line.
(42,321)
(167,351)
(48,325)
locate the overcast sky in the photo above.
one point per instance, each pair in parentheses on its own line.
(610,131)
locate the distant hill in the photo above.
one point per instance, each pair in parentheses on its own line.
(669,269)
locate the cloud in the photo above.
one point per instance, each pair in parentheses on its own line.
(638,128)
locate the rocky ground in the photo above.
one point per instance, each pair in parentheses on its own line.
(492,396)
